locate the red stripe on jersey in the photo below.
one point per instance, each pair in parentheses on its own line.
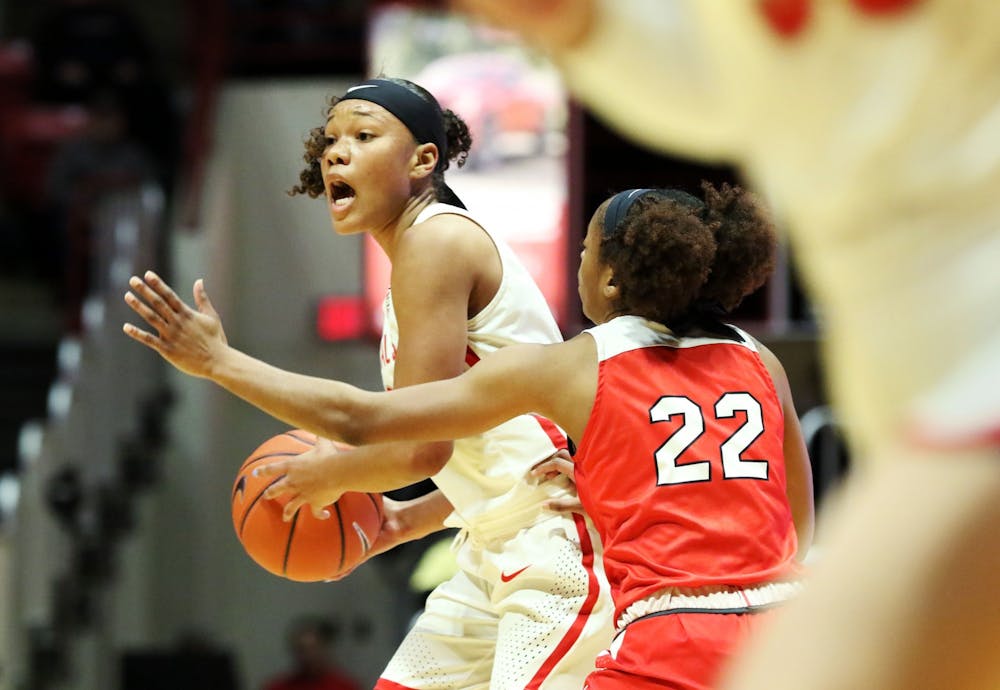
(573,634)
(384,684)
(470,357)
(787,17)
(936,440)
(557,437)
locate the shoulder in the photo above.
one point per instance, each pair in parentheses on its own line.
(442,233)
(770,359)
(444,248)
(774,368)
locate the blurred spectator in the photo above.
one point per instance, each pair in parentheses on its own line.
(86,47)
(12,249)
(82,46)
(108,152)
(309,642)
(107,155)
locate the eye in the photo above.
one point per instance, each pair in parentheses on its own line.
(365,136)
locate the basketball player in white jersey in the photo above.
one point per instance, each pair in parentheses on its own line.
(873,129)
(529,606)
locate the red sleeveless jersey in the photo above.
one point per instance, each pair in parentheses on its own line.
(681,465)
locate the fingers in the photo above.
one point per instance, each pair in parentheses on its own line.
(271,469)
(560,462)
(148,304)
(155,301)
(292,507)
(164,292)
(143,337)
(324,445)
(320,512)
(282,486)
(147,314)
(201,299)
(565,505)
(297,503)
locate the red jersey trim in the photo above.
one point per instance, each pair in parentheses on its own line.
(384,684)
(470,357)
(573,634)
(929,440)
(557,437)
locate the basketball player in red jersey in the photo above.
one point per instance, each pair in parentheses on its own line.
(872,127)
(691,461)
(457,293)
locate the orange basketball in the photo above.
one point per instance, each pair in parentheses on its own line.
(304,548)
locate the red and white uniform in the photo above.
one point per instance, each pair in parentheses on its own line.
(872,127)
(682,470)
(530,606)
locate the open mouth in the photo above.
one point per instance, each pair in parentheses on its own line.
(341,194)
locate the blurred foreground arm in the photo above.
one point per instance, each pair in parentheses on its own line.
(659,71)
(904,594)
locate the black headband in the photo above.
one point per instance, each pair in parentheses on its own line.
(621,202)
(423,118)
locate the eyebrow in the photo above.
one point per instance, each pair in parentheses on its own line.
(362,110)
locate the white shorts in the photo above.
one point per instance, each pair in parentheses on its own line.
(532,611)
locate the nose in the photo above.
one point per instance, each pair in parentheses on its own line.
(337,153)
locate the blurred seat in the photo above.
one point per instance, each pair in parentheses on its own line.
(17,69)
(29,135)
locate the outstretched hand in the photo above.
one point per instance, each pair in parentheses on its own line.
(559,463)
(189,339)
(307,479)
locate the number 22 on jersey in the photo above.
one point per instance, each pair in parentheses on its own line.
(668,468)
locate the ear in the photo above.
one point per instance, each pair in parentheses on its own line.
(425,159)
(608,286)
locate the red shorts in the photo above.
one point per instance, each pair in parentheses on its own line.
(685,651)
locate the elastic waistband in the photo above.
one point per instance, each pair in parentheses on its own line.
(730,601)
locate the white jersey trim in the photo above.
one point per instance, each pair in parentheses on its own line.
(626,333)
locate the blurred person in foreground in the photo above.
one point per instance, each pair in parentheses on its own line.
(873,129)
(309,643)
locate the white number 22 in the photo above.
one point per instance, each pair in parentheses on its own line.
(668,471)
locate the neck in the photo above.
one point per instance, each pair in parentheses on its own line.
(388,236)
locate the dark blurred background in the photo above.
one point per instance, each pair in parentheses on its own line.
(163,134)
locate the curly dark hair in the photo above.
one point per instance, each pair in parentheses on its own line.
(670,258)
(459,141)
(747,244)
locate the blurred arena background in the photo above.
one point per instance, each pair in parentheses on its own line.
(164,134)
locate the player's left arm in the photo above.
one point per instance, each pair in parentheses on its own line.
(798,470)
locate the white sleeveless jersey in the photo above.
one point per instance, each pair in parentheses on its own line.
(486,478)
(875,136)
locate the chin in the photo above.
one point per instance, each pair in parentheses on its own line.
(345,227)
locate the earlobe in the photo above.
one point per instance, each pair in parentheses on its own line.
(610,288)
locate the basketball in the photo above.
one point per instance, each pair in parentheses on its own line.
(305,548)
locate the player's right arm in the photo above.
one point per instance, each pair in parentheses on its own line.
(798,470)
